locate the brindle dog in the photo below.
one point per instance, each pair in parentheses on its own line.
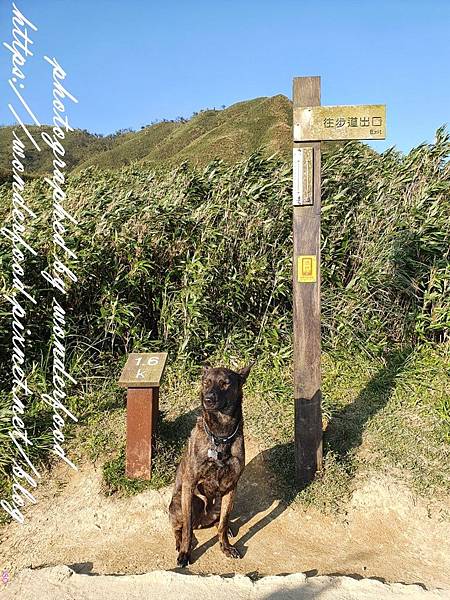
(208,473)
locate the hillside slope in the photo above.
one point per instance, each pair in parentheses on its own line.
(78,145)
(230,134)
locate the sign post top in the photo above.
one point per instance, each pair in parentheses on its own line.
(325,123)
(143,370)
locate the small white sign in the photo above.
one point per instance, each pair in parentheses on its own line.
(302,176)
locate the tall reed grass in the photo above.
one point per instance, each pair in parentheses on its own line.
(198,262)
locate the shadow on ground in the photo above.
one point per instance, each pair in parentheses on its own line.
(257,492)
(83,568)
(268,481)
(345,430)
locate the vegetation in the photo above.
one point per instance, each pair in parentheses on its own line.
(231,133)
(197,261)
(79,145)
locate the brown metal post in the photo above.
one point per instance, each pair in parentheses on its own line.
(142,414)
(306,309)
(141,376)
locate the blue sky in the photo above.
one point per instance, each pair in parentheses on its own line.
(129,62)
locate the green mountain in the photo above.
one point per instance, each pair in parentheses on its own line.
(229,134)
(78,145)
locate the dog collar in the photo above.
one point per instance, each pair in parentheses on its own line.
(218,439)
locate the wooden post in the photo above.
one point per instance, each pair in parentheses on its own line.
(142,415)
(141,376)
(314,123)
(306,307)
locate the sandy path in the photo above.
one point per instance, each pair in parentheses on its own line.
(387,534)
(60,583)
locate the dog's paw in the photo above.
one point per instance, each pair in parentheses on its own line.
(231,552)
(183,559)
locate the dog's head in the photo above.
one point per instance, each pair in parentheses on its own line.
(222,388)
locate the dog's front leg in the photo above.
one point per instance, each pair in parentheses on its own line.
(224,523)
(187,491)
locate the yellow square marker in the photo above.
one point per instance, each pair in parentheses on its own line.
(306,269)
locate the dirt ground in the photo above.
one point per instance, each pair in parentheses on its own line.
(61,583)
(387,533)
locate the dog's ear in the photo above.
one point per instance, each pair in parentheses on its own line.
(243,373)
(205,368)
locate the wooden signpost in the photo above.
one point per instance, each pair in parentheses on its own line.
(314,123)
(141,376)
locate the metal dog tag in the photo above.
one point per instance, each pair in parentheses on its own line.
(212,453)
